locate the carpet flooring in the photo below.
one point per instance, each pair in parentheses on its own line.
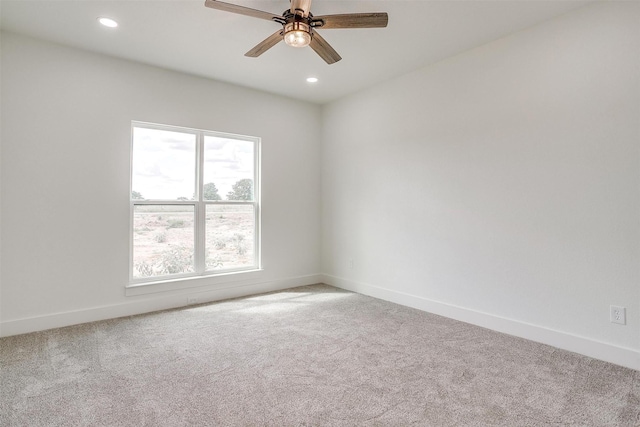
(309,356)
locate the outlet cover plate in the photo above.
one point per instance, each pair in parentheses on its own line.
(618,314)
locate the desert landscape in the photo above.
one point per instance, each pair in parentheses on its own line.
(164,238)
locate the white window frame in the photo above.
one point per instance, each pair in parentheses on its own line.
(200,207)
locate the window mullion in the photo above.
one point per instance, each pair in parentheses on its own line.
(201,214)
(257,214)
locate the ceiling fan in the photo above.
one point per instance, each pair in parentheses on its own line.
(299,26)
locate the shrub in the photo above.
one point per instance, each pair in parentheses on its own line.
(241,246)
(175,223)
(160,237)
(219,244)
(176,259)
(216,262)
(144,269)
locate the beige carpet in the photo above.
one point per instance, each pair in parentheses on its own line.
(308,356)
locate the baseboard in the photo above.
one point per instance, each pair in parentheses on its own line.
(140,306)
(598,350)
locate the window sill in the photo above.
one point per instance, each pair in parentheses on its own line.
(235,278)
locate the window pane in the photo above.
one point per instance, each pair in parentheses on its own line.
(228,169)
(164,165)
(163,240)
(230,237)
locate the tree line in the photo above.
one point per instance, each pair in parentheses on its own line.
(241,190)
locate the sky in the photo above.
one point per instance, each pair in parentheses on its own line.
(164,163)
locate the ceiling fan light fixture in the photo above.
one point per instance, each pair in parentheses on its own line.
(297,34)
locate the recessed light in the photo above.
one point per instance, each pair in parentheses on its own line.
(108,22)
(312,79)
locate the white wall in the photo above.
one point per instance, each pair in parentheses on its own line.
(65,180)
(500,186)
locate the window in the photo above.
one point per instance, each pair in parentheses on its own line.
(194,203)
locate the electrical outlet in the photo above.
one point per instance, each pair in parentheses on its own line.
(351,263)
(618,314)
(192,300)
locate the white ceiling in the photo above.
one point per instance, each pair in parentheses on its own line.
(188,37)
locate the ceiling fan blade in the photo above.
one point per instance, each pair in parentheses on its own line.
(324,49)
(265,45)
(351,20)
(228,7)
(301,7)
